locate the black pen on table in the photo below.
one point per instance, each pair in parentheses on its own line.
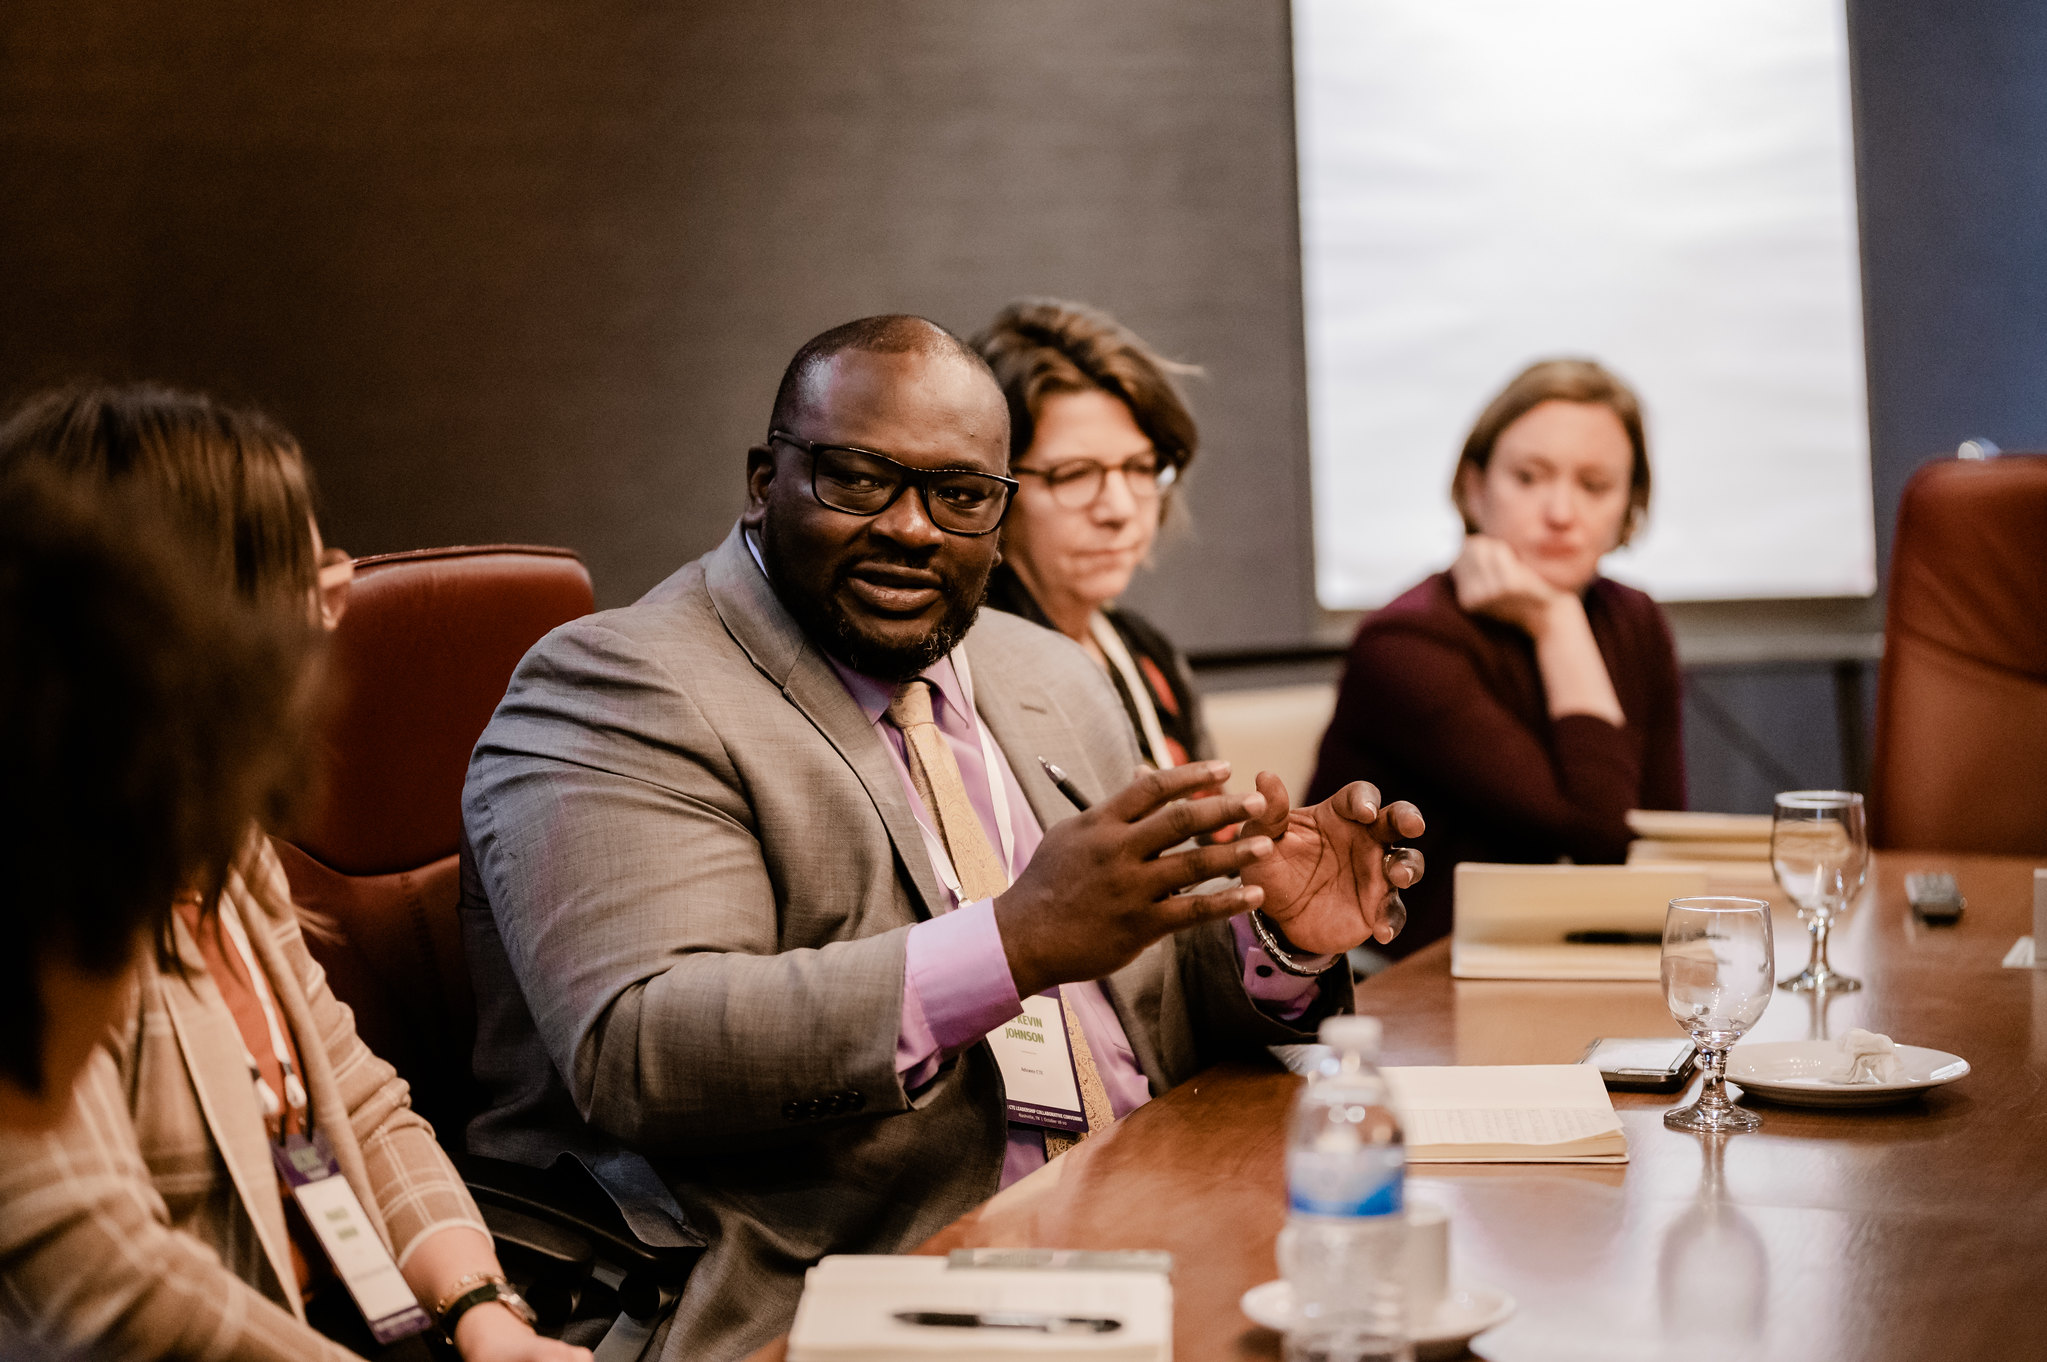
(1063,783)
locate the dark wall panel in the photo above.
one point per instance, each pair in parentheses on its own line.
(1951,128)
(530,271)
(1752,731)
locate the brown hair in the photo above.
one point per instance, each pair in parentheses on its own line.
(230,481)
(1558,380)
(146,717)
(1041,346)
(234,478)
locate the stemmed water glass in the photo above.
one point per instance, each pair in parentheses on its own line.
(1718,968)
(1819,845)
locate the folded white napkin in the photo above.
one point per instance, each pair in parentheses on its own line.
(1864,1057)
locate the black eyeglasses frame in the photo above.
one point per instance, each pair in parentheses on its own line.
(919,477)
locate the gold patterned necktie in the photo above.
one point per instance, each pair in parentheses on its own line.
(936,776)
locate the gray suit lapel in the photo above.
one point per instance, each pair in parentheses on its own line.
(753,615)
(1026,725)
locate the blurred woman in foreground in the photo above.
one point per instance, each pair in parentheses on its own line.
(1524,700)
(146,717)
(1098,435)
(155,1219)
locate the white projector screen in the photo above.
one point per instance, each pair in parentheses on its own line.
(1666,188)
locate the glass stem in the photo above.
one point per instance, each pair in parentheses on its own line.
(1820,927)
(1713,1093)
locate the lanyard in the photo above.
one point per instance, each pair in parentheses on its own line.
(294,1096)
(1140,694)
(310,1175)
(998,790)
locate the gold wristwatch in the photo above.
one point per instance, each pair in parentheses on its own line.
(479,1288)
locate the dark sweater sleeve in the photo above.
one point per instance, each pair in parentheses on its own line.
(1421,700)
(1663,741)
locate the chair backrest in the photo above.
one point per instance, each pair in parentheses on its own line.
(1961,715)
(418,664)
(1271,728)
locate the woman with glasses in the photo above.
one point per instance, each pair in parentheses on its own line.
(1098,434)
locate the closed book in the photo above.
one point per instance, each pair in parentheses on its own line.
(1675,825)
(1653,849)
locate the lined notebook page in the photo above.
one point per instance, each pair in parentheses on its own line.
(1490,1125)
(1507,1113)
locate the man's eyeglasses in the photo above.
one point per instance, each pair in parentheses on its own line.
(864,483)
(1076,483)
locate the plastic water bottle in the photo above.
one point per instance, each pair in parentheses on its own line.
(1344,1246)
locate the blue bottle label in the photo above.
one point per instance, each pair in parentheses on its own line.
(1345,1185)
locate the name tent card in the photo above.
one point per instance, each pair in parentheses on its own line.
(1564,921)
(854,1309)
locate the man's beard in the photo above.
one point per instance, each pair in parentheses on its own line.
(827,624)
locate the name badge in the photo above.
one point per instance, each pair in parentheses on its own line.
(357,1255)
(1036,1059)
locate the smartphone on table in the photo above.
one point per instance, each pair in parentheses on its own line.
(1645,1064)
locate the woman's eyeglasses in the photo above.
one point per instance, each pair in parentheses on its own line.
(1076,483)
(864,483)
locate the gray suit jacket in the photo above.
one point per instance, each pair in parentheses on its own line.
(691,872)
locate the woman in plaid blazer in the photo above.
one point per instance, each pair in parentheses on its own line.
(150,1222)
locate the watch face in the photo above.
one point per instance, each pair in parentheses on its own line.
(499,1290)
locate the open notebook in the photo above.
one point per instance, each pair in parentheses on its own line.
(1507,1113)
(850,1303)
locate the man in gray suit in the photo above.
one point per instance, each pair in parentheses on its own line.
(760,866)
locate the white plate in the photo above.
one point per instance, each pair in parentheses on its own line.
(1788,1071)
(1464,1314)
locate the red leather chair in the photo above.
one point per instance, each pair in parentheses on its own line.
(419,663)
(418,666)
(1961,716)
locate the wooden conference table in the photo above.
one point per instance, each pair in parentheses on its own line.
(1917,1231)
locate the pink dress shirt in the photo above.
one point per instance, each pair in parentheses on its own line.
(957,986)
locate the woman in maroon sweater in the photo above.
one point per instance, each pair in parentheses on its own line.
(1522,699)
